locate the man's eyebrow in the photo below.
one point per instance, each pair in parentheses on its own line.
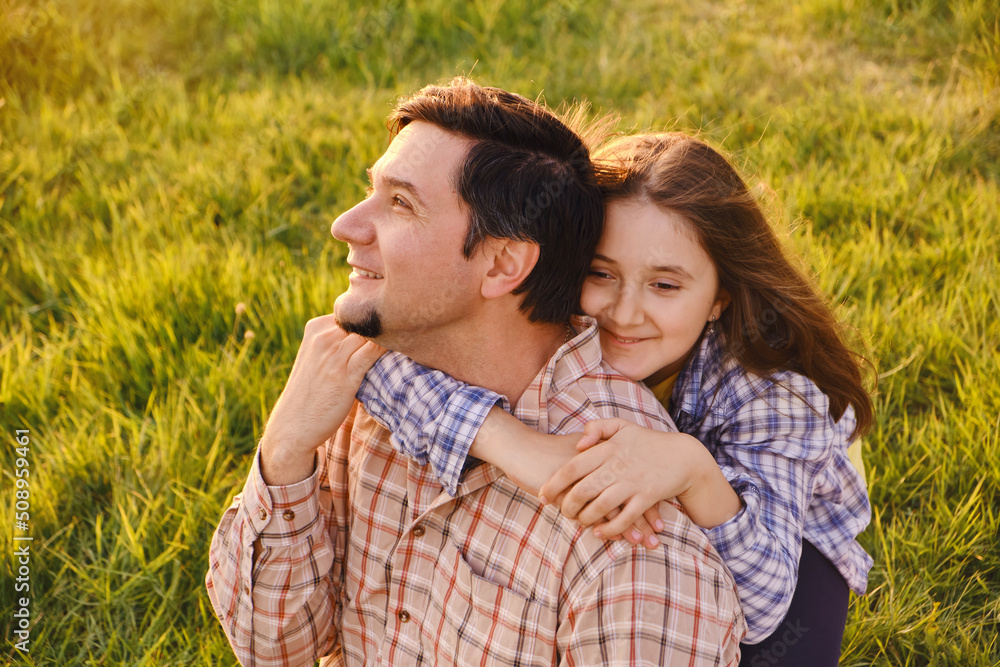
(394,182)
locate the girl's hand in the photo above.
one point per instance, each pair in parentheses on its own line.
(643,531)
(625,465)
(532,460)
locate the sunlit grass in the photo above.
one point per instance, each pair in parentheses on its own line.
(162,162)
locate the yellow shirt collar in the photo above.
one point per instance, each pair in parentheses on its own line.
(663,390)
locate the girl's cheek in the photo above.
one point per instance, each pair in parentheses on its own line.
(594,300)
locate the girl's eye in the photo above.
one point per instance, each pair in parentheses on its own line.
(665,286)
(597,273)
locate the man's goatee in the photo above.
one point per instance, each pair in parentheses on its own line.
(368,327)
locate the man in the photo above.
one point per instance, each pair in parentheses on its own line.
(468,256)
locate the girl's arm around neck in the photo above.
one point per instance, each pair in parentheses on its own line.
(528,457)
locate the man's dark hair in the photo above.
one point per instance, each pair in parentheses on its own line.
(527,177)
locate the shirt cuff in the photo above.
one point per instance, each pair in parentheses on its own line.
(282,515)
(738,535)
(464,414)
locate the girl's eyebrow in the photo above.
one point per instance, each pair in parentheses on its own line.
(673,268)
(666,268)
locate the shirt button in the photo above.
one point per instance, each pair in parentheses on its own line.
(419,530)
(263,514)
(403,616)
(288,515)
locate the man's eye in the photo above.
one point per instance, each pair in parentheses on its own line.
(399,201)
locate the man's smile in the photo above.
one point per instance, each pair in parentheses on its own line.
(365,273)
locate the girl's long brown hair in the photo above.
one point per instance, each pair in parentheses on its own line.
(776,319)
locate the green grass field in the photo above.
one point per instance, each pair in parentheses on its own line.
(161,163)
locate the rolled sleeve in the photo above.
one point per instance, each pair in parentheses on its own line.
(433,418)
(732,538)
(464,414)
(776,443)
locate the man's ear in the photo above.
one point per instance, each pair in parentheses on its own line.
(508,263)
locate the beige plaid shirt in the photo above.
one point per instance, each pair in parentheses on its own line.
(369,561)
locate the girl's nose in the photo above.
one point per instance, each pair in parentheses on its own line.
(627,309)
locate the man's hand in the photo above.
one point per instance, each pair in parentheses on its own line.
(328,370)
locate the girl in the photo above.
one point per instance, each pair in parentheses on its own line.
(694,297)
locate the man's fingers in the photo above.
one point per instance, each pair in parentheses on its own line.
(345,347)
(321,324)
(364,357)
(334,349)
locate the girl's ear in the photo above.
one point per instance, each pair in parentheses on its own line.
(509,263)
(722,299)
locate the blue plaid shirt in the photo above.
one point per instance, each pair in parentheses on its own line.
(792,473)
(773,438)
(433,418)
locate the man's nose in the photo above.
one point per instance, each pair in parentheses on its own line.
(354,226)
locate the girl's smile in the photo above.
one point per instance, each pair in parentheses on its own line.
(651,288)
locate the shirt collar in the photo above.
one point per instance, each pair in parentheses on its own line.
(577,357)
(687,390)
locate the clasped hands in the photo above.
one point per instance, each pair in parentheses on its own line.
(611,477)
